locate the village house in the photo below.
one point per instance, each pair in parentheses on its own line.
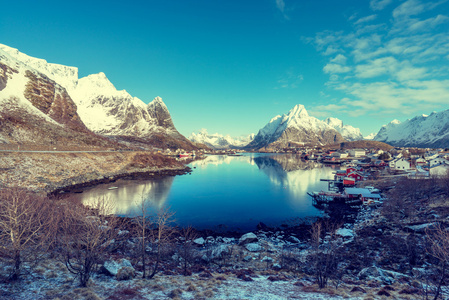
(437,161)
(340,154)
(400,164)
(357,152)
(357,176)
(420,162)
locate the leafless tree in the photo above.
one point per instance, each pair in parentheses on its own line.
(25,220)
(86,235)
(154,233)
(187,250)
(324,256)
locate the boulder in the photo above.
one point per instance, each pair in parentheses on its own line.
(114,267)
(220,251)
(253,247)
(199,241)
(248,238)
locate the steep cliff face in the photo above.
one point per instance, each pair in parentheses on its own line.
(53,100)
(295,128)
(159,112)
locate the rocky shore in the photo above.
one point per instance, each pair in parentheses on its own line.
(51,172)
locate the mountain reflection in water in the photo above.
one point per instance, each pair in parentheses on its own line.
(236,192)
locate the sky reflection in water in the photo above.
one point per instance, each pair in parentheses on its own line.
(236,192)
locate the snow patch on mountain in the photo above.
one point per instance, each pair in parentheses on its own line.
(348,132)
(219,141)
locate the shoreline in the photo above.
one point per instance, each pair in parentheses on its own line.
(73,188)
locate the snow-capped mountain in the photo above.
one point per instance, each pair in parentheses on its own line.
(370,136)
(348,132)
(34,109)
(421,131)
(104,109)
(219,141)
(295,127)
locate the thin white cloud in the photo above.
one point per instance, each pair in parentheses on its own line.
(280,4)
(379,4)
(365,19)
(339,59)
(335,68)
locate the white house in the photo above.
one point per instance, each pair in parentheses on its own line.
(399,164)
(437,161)
(357,152)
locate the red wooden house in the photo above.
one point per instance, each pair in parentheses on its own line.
(355,175)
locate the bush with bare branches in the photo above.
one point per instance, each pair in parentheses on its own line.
(25,222)
(324,256)
(154,233)
(86,235)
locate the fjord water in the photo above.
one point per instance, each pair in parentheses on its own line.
(225,192)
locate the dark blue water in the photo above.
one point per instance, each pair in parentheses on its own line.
(226,192)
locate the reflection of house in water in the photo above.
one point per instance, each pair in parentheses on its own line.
(292,173)
(127,198)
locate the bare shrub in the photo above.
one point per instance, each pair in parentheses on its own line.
(86,235)
(323,259)
(154,234)
(25,222)
(187,250)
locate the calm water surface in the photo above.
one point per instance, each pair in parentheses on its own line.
(234,192)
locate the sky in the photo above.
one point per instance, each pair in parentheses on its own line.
(231,66)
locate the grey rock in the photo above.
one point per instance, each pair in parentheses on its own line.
(220,251)
(253,247)
(112,267)
(199,241)
(248,238)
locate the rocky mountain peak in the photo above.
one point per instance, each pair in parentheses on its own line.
(159,111)
(298,111)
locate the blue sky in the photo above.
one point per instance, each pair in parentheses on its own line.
(230,66)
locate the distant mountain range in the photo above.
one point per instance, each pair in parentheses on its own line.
(430,131)
(219,141)
(45,103)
